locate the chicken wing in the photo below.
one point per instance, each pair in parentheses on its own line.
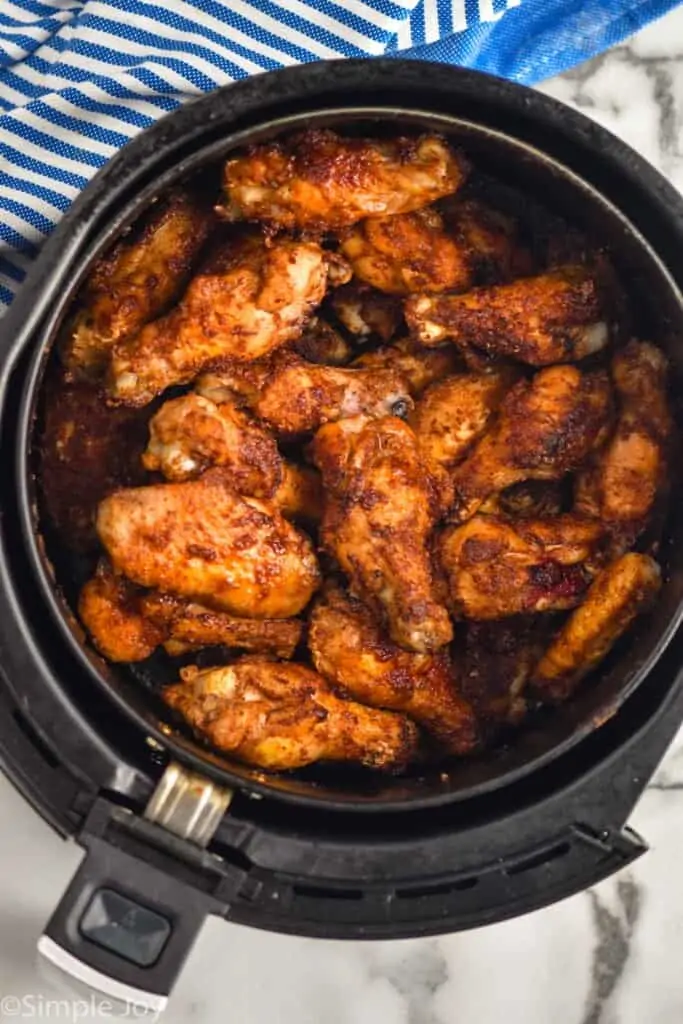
(136,281)
(350,649)
(378,518)
(624,480)
(321,343)
(407,253)
(488,241)
(285,716)
(622,591)
(320,180)
(189,434)
(366,312)
(498,567)
(545,428)
(201,540)
(553,318)
(109,608)
(301,397)
(418,366)
(240,382)
(86,451)
(250,297)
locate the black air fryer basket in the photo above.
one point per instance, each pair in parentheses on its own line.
(173,833)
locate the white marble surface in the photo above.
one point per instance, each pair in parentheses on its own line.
(608,956)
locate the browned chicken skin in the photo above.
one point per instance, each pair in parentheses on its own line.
(378,518)
(349,648)
(553,318)
(190,434)
(418,366)
(301,397)
(109,608)
(285,716)
(620,592)
(366,312)
(624,479)
(136,280)
(488,241)
(203,541)
(407,253)
(318,179)
(251,297)
(240,382)
(300,495)
(321,343)
(545,428)
(498,567)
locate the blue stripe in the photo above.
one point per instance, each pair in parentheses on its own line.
(44,192)
(30,163)
(6,295)
(10,270)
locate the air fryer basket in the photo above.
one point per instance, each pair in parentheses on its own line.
(658,309)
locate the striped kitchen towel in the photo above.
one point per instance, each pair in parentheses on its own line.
(78,78)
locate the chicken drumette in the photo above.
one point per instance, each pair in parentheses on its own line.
(553,318)
(318,179)
(136,281)
(378,518)
(251,297)
(203,541)
(625,478)
(620,592)
(349,648)
(285,716)
(545,428)
(498,567)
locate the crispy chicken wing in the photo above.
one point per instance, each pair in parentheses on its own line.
(625,478)
(109,608)
(407,253)
(377,522)
(190,434)
(545,428)
(553,318)
(240,382)
(620,592)
(201,540)
(488,241)
(136,281)
(321,343)
(349,648)
(418,366)
(250,297)
(365,312)
(301,397)
(86,451)
(318,179)
(285,716)
(498,567)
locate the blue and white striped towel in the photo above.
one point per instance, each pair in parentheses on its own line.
(78,78)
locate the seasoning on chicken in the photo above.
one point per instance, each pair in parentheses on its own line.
(407,253)
(366,312)
(190,434)
(321,343)
(498,567)
(621,592)
(545,428)
(109,608)
(320,180)
(189,627)
(136,281)
(488,241)
(240,382)
(250,297)
(300,495)
(86,451)
(379,513)
(493,669)
(203,541)
(418,366)
(553,318)
(624,480)
(301,397)
(285,716)
(351,650)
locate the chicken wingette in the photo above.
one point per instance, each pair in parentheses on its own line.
(621,592)
(350,649)
(250,297)
(320,180)
(556,317)
(379,514)
(286,716)
(203,541)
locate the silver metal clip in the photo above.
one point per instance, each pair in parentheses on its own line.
(189,805)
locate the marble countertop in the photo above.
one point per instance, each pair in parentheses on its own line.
(608,956)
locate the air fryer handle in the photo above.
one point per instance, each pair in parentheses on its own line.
(125,924)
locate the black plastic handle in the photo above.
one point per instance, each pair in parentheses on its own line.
(126,924)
